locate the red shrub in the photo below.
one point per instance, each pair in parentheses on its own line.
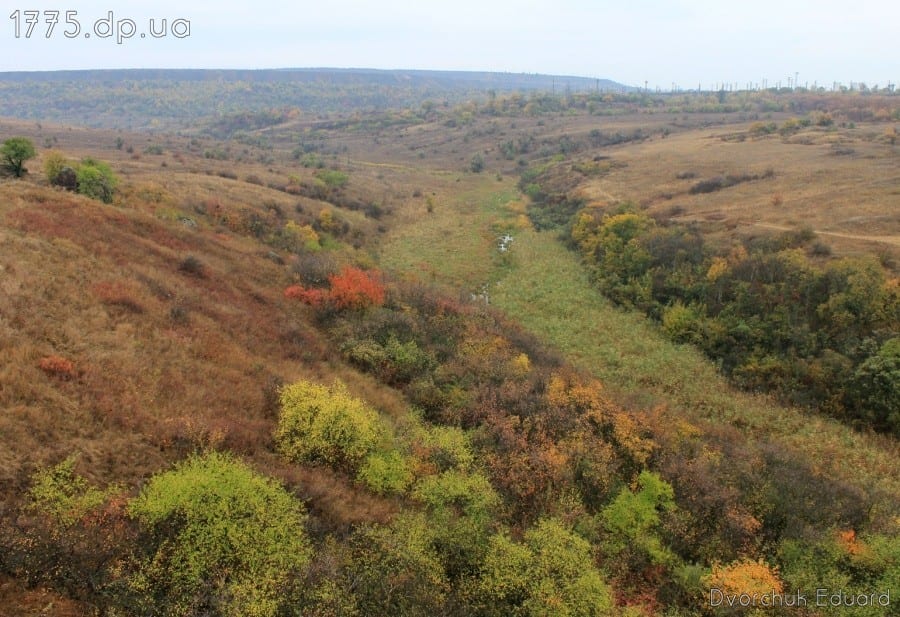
(316,298)
(57,366)
(356,289)
(352,289)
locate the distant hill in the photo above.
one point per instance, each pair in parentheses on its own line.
(148,98)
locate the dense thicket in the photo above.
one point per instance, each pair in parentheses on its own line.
(824,336)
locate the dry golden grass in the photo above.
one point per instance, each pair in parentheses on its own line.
(842,183)
(165,359)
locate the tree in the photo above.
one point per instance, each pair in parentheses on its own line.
(875,387)
(14,152)
(221,540)
(632,521)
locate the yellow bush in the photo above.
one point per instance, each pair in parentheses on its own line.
(326,424)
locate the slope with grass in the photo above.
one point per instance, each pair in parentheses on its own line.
(465,466)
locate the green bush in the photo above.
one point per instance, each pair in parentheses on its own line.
(221,539)
(449,448)
(96,180)
(632,521)
(386,472)
(333,178)
(395,569)
(552,573)
(65,496)
(463,508)
(875,387)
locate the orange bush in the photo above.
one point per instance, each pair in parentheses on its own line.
(353,288)
(57,366)
(745,576)
(316,298)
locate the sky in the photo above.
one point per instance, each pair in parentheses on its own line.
(663,43)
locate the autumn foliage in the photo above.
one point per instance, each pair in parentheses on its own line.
(745,576)
(350,289)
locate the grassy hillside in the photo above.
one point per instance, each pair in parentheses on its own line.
(506,441)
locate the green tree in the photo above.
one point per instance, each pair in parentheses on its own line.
(96,180)
(875,387)
(14,152)
(221,539)
(632,521)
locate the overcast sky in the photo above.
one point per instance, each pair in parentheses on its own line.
(684,42)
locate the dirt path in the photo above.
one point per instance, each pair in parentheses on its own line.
(893,240)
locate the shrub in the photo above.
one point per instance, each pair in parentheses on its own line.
(96,180)
(192,266)
(356,289)
(476,165)
(57,366)
(875,387)
(316,298)
(632,519)
(67,178)
(448,448)
(221,539)
(682,323)
(396,571)
(745,576)
(325,424)
(298,238)
(386,472)
(552,573)
(65,496)
(332,178)
(54,162)
(75,537)
(314,269)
